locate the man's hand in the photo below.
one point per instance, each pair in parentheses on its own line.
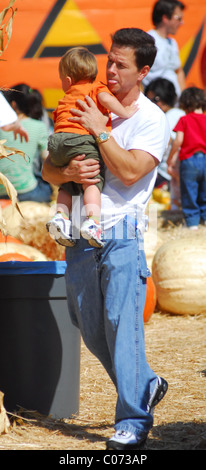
(79,170)
(170,170)
(89,116)
(83,171)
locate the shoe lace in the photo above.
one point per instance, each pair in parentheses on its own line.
(122,433)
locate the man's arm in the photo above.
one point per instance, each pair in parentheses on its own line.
(128,166)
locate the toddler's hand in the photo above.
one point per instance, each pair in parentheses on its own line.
(132,109)
(172,171)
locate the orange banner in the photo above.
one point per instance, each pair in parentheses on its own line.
(44,29)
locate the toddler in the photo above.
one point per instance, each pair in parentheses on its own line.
(191,140)
(78,71)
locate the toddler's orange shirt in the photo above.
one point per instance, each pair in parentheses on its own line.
(78,91)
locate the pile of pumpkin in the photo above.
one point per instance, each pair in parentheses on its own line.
(161,197)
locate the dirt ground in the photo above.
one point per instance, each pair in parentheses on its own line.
(176,350)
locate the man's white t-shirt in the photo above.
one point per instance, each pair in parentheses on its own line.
(7,114)
(167,61)
(146,130)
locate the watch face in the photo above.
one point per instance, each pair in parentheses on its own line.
(103,136)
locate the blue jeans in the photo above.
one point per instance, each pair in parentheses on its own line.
(193,188)
(106,294)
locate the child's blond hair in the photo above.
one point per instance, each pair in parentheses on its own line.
(79,64)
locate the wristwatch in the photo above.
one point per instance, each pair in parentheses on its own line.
(103,137)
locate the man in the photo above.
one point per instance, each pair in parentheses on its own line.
(107,287)
(167,17)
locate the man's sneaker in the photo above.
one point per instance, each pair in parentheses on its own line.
(158,393)
(92,232)
(124,440)
(60,229)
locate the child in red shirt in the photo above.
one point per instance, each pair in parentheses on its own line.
(78,70)
(191,143)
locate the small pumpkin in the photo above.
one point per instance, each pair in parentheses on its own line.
(9,239)
(13,257)
(150,301)
(162,196)
(29,251)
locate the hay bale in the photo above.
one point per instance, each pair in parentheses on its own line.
(31,211)
(4,420)
(152,241)
(31,228)
(36,235)
(179,272)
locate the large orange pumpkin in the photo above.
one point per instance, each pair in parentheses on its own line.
(151,299)
(8,239)
(13,257)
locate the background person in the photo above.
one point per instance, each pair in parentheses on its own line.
(9,120)
(167,17)
(18,170)
(190,147)
(162,92)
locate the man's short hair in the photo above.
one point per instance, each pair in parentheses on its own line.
(165,7)
(142,43)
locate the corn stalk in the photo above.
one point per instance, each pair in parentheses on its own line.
(4,420)
(5,152)
(12,193)
(6,27)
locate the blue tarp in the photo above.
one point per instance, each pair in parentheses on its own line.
(8,268)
